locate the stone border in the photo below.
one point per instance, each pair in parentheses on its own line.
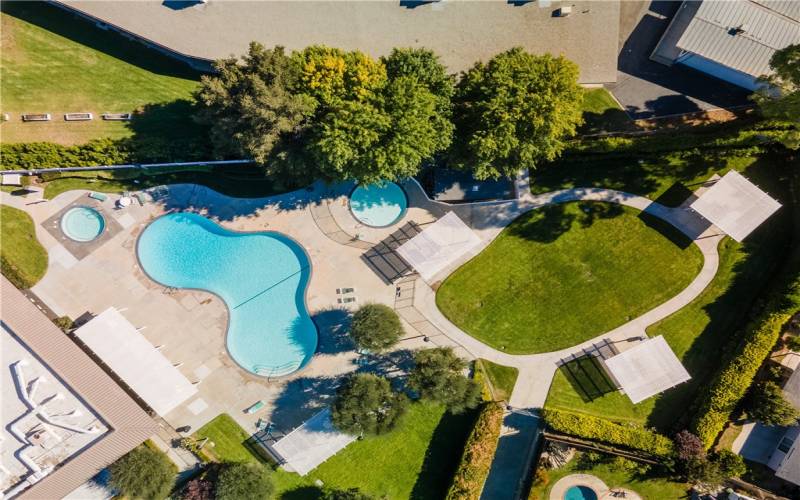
(81,249)
(559,489)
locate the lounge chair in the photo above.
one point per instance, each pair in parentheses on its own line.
(98,196)
(140,198)
(255,407)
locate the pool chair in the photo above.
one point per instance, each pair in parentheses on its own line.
(254,408)
(98,196)
(140,198)
(341,291)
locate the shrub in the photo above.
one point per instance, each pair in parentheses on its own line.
(64,322)
(243,481)
(375,327)
(606,431)
(144,472)
(768,406)
(437,375)
(793,343)
(688,446)
(478,454)
(730,464)
(198,489)
(366,404)
(730,385)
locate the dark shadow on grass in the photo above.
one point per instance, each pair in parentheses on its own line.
(544,225)
(442,456)
(594,211)
(587,378)
(764,252)
(610,120)
(666,230)
(302,493)
(109,42)
(676,194)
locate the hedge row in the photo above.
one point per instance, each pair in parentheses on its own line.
(606,431)
(101,152)
(726,390)
(478,454)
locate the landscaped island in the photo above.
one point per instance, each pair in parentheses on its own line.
(563,274)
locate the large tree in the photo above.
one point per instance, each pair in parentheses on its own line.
(366,404)
(768,406)
(143,473)
(515,112)
(251,105)
(780,100)
(243,481)
(438,376)
(375,327)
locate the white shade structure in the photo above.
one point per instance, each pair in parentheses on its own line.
(735,205)
(312,443)
(647,369)
(134,359)
(438,245)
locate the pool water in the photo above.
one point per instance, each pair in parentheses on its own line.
(262,278)
(378,205)
(580,493)
(82,224)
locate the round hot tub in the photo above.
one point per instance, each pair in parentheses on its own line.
(82,224)
(378,205)
(580,493)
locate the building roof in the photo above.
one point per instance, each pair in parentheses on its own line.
(438,245)
(312,443)
(460,32)
(735,205)
(789,466)
(136,361)
(742,34)
(647,369)
(129,424)
(791,389)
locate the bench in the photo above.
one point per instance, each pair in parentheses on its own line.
(36,117)
(77,117)
(116,116)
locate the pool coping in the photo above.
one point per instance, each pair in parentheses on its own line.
(82,249)
(560,488)
(227,308)
(396,221)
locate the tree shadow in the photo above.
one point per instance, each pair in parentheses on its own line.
(666,230)
(442,456)
(610,120)
(544,225)
(333,326)
(180,4)
(301,398)
(667,105)
(763,253)
(587,378)
(594,211)
(302,493)
(84,32)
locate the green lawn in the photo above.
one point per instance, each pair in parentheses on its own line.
(648,486)
(565,273)
(706,325)
(240,181)
(416,460)
(502,378)
(227,441)
(602,113)
(57,63)
(24,259)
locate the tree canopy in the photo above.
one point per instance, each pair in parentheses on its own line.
(780,100)
(366,404)
(438,376)
(143,473)
(768,406)
(375,327)
(243,481)
(250,105)
(515,112)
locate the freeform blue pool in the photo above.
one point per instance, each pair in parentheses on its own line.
(580,493)
(378,205)
(262,278)
(82,224)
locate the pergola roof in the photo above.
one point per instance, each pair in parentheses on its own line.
(134,359)
(438,245)
(647,369)
(735,205)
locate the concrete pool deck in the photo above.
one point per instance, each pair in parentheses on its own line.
(600,488)
(190,325)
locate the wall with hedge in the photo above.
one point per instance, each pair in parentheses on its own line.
(716,404)
(606,431)
(478,454)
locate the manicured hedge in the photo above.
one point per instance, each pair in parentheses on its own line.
(730,385)
(478,454)
(606,431)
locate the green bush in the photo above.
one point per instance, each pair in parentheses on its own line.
(726,390)
(606,431)
(478,454)
(243,481)
(144,472)
(375,327)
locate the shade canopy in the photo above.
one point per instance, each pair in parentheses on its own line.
(438,245)
(134,359)
(735,205)
(312,443)
(647,369)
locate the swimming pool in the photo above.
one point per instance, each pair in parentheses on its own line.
(82,224)
(580,493)
(378,205)
(262,277)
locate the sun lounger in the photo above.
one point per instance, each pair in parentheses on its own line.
(341,291)
(98,196)
(140,198)
(255,407)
